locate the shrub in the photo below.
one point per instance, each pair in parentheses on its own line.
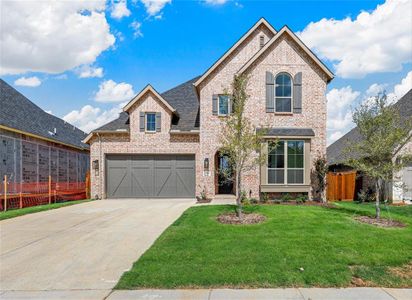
(286,197)
(254,201)
(265,197)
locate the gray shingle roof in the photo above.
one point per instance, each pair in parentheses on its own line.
(183,98)
(336,153)
(280,131)
(121,123)
(20,113)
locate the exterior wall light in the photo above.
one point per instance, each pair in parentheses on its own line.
(95,166)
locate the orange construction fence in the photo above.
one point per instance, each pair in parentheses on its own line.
(19,195)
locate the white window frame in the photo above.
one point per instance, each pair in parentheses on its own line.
(145,122)
(229,101)
(282,97)
(285,169)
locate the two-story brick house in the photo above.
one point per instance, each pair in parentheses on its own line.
(167,145)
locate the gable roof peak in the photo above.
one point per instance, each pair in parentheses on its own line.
(146,89)
(261,21)
(286,30)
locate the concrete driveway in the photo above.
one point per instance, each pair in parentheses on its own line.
(81,247)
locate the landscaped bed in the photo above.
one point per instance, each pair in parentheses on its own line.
(33,209)
(294,246)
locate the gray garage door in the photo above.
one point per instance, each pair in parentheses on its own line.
(150,176)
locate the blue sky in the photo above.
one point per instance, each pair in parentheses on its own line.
(88,58)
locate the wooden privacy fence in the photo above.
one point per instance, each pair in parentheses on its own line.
(341,186)
(20,195)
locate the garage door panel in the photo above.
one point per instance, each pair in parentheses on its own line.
(165,181)
(118,183)
(151,176)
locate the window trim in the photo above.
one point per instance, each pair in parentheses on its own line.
(291,94)
(145,122)
(285,151)
(229,101)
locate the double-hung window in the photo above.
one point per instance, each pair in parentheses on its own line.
(224,105)
(150,122)
(286,162)
(283,93)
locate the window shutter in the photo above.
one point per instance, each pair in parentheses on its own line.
(158,121)
(214,104)
(270,96)
(232,105)
(142,125)
(297,93)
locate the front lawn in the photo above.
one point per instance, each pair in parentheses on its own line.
(332,248)
(33,209)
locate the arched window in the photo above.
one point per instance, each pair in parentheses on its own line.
(283,93)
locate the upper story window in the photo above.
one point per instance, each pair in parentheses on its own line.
(224,105)
(150,122)
(283,93)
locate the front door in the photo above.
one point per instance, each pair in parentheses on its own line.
(225,175)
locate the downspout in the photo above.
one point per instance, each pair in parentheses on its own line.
(100,167)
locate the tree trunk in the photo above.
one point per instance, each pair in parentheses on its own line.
(238,196)
(378,196)
(324,195)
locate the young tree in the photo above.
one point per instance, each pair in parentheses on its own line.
(239,139)
(321,172)
(383,133)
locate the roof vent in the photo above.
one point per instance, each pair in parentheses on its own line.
(262,41)
(54,132)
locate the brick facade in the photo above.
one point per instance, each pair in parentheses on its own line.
(283,56)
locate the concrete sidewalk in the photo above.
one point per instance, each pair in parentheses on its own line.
(266,294)
(219,294)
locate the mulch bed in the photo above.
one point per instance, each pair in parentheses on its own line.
(231,218)
(380,223)
(307,203)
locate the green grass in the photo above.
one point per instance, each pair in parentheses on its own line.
(196,251)
(33,209)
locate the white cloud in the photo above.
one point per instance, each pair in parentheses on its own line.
(342,101)
(110,91)
(52,36)
(402,88)
(154,7)
(375,89)
(61,77)
(136,26)
(89,118)
(28,81)
(339,111)
(377,41)
(335,136)
(119,9)
(216,2)
(88,71)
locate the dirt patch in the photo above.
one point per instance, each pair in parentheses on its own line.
(199,201)
(359,282)
(404,272)
(232,218)
(380,222)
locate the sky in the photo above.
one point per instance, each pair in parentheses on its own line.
(83,60)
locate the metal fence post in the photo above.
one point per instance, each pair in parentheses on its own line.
(49,189)
(21,196)
(5,192)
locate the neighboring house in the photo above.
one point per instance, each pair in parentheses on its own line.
(167,145)
(401,187)
(35,145)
